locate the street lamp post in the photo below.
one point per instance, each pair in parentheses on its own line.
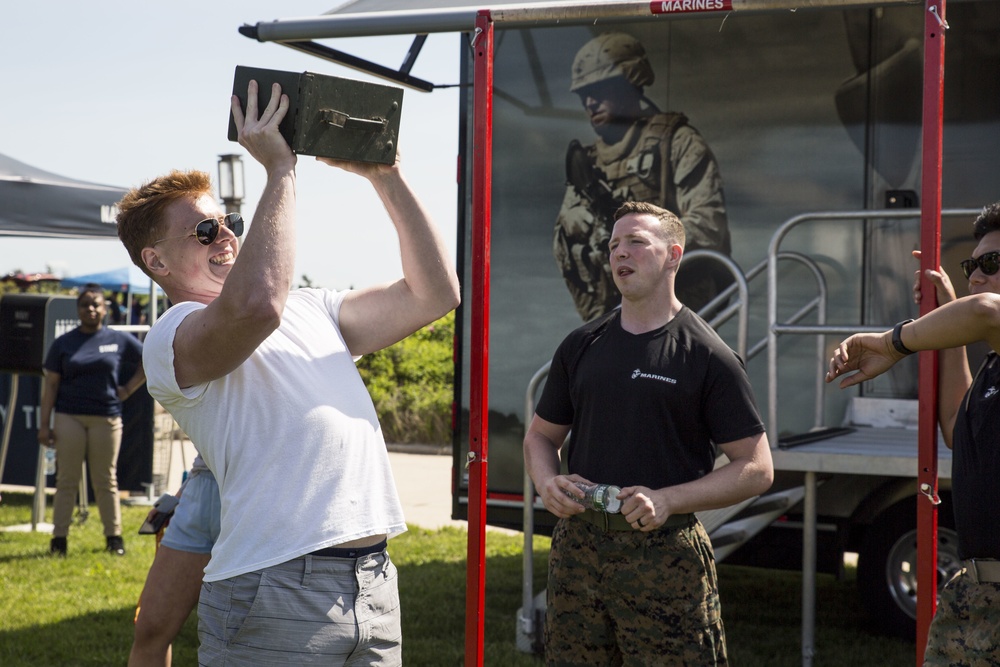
(231,183)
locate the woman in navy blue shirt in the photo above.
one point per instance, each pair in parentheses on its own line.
(81,384)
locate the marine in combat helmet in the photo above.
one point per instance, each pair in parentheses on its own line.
(641,154)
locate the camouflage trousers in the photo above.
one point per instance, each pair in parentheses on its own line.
(632,598)
(965,631)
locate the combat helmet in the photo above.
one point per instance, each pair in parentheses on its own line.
(610,55)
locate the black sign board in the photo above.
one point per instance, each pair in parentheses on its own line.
(28,325)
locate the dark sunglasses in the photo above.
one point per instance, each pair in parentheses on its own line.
(207,230)
(988,263)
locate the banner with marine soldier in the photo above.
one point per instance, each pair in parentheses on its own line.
(639,153)
(737,123)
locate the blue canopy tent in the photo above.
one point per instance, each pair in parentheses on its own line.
(129,280)
(126,279)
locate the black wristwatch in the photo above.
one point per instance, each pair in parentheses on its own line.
(897,338)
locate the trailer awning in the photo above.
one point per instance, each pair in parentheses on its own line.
(370,18)
(363,18)
(366,18)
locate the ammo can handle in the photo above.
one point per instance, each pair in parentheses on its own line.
(344,120)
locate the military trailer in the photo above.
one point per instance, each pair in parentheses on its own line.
(806,133)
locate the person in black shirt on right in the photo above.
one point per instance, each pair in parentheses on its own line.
(966,627)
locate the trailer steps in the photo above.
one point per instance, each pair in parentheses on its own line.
(731,527)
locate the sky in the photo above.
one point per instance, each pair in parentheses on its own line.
(118,92)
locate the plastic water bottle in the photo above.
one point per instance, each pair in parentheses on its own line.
(600,497)
(50,461)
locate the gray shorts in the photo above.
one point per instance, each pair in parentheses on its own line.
(310,610)
(194,527)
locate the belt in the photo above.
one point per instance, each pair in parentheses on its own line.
(608,522)
(983,570)
(349,552)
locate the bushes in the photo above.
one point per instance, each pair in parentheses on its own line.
(411,384)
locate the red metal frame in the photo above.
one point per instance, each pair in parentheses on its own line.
(930,258)
(482,178)
(930,224)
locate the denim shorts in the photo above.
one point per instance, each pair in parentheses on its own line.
(194,527)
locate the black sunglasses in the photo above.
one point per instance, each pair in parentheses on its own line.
(207,230)
(988,263)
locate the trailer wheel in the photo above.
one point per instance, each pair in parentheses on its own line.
(887,566)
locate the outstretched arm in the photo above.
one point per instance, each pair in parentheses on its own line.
(378,316)
(963,321)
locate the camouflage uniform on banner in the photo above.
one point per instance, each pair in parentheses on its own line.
(660,159)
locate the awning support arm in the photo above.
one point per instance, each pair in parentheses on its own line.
(412,53)
(401,76)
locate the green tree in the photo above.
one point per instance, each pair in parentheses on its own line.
(411,384)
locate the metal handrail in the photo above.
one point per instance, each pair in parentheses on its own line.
(740,306)
(528,572)
(821,329)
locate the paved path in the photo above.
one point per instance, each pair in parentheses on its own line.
(424,485)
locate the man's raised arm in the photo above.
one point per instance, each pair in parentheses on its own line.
(378,316)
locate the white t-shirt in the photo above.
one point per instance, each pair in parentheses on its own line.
(291,435)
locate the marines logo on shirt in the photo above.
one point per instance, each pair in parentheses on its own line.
(637,373)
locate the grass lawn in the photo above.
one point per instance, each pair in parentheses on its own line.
(78,610)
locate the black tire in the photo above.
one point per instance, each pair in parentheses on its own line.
(887,566)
